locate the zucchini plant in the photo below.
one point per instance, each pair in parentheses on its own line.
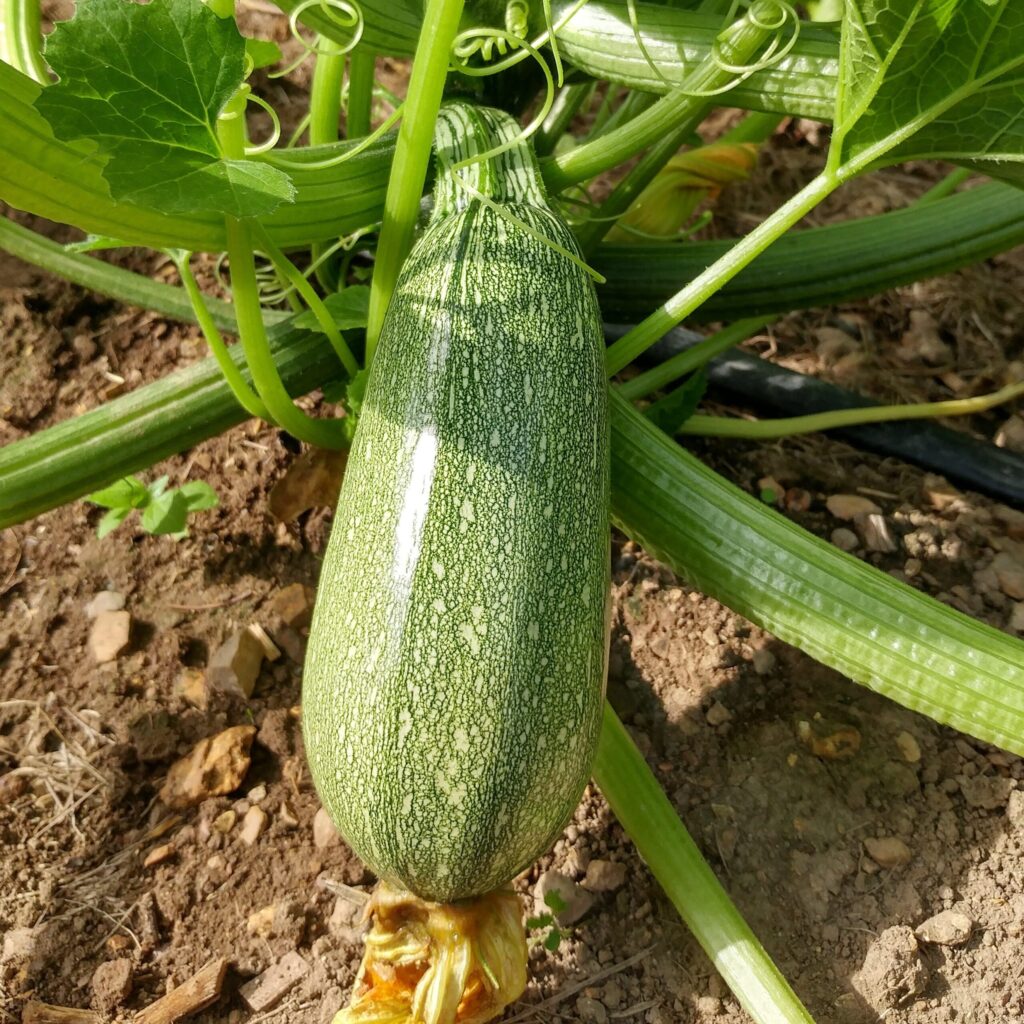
(453,692)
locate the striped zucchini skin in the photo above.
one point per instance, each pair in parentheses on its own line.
(456,665)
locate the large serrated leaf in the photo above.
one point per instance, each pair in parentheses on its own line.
(932,79)
(145,84)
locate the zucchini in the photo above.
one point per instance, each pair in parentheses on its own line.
(456,663)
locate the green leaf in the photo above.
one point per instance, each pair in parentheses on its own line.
(349,309)
(112,520)
(145,83)
(553,940)
(199,495)
(127,493)
(166,514)
(554,900)
(262,52)
(932,79)
(672,411)
(158,486)
(539,922)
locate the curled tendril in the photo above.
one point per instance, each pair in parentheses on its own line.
(280,160)
(344,13)
(275,122)
(759,15)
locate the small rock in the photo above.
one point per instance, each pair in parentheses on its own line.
(292,605)
(235,666)
(257,794)
(948,928)
(590,1011)
(577,901)
(829,741)
(888,851)
(104,601)
(216,766)
(764,661)
(287,816)
(109,635)
(908,747)
(770,490)
(717,714)
(191,686)
(160,855)
(849,506)
(939,492)
(1009,571)
(253,824)
(922,340)
(324,833)
(225,822)
(844,539)
(1015,807)
(1016,623)
(604,876)
(347,922)
(112,984)
(1011,434)
(261,923)
(268,988)
(987,792)
(875,533)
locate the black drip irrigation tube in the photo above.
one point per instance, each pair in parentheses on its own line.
(774,390)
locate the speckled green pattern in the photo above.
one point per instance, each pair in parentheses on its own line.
(454,680)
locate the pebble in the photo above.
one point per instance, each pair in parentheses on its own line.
(257,794)
(268,988)
(764,661)
(286,816)
(215,766)
(1016,622)
(235,666)
(577,900)
(346,922)
(191,685)
(844,539)
(1009,570)
(160,855)
(1015,807)
(604,876)
(253,824)
(875,533)
(112,984)
(888,851)
(109,635)
(908,747)
(225,822)
(948,928)
(104,601)
(591,1011)
(718,714)
(1011,434)
(324,833)
(292,605)
(849,507)
(261,923)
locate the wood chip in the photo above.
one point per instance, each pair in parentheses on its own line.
(199,992)
(269,987)
(45,1013)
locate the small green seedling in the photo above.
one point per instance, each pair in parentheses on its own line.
(553,938)
(163,510)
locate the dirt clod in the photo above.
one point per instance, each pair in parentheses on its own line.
(604,876)
(948,928)
(215,766)
(112,984)
(325,835)
(575,901)
(893,972)
(888,851)
(274,983)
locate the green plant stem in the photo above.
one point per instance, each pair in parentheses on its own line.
(567,104)
(949,184)
(673,112)
(412,156)
(670,853)
(299,282)
(325,98)
(247,398)
(633,104)
(245,297)
(789,426)
(685,301)
(21,39)
(691,359)
(362,64)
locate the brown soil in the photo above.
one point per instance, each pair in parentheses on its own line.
(715,704)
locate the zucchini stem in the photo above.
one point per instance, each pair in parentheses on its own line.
(359,112)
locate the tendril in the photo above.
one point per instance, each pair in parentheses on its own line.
(275,122)
(346,14)
(287,162)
